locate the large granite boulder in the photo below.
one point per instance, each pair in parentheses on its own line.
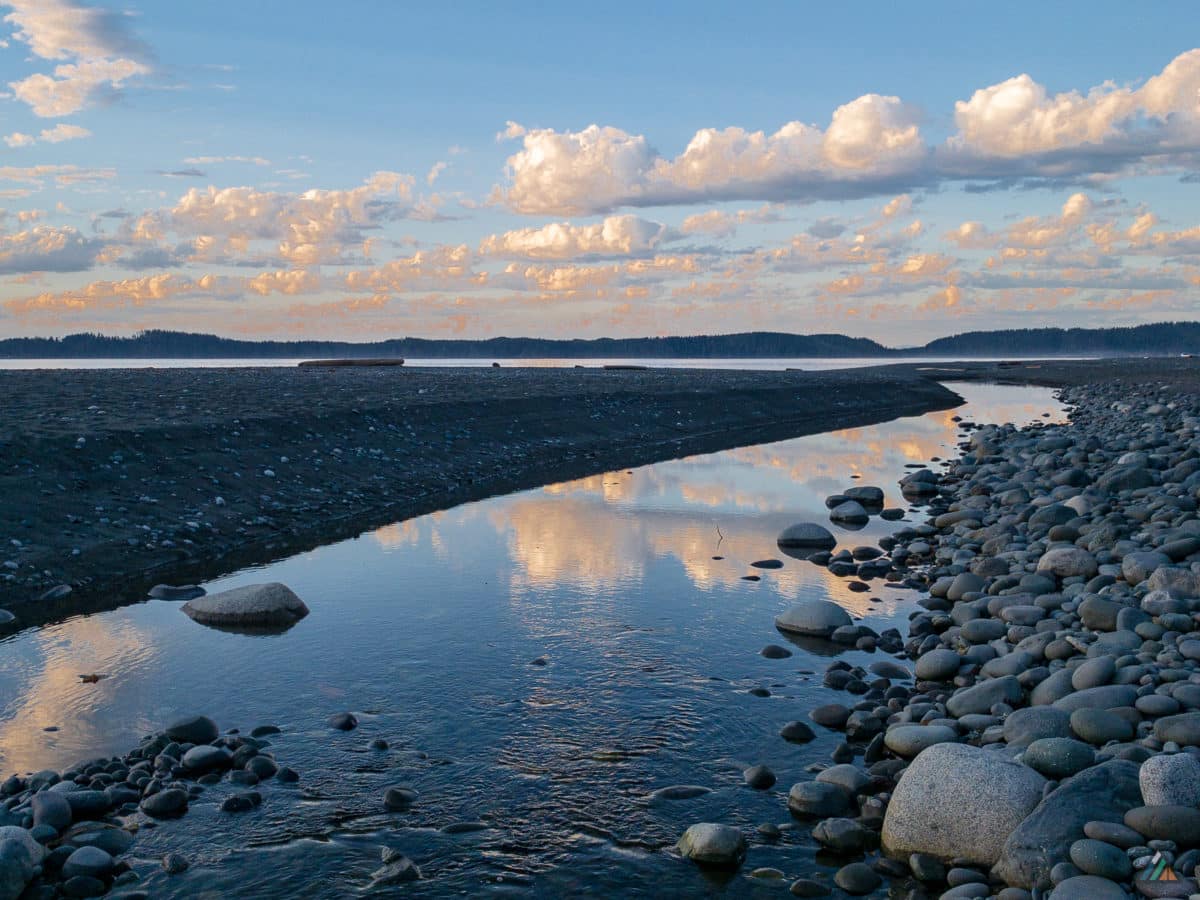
(955,801)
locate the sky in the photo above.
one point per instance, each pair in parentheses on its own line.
(383,169)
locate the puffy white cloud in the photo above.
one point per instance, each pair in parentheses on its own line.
(615,236)
(17,139)
(723,224)
(46,248)
(308,228)
(870,140)
(98,52)
(873,145)
(1075,133)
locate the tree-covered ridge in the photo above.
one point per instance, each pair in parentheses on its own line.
(1162,338)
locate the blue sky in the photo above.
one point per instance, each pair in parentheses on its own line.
(380,169)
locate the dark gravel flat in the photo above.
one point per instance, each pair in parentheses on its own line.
(113,480)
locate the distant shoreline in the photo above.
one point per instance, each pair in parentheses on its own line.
(1167,338)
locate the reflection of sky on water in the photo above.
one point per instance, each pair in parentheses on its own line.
(429,626)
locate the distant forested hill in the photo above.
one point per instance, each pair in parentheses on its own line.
(174,344)
(1163,338)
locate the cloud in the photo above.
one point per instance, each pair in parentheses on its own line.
(108,294)
(181,173)
(63,132)
(316,226)
(869,142)
(96,50)
(45,248)
(615,236)
(63,175)
(1011,132)
(723,224)
(17,139)
(217,160)
(435,170)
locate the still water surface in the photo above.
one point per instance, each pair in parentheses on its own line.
(426,629)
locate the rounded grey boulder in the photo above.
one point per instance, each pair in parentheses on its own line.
(850,513)
(193,730)
(711,844)
(909,740)
(958,801)
(819,618)
(261,605)
(807,534)
(1169,780)
(1067,562)
(939,664)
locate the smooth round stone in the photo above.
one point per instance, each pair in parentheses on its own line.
(797,733)
(850,778)
(850,513)
(1058,757)
(193,730)
(819,799)
(1170,780)
(1094,673)
(1098,858)
(806,887)
(88,861)
(767,564)
(940,664)
(1156,705)
(857,879)
(831,715)
(1170,823)
(759,777)
(774,651)
(1099,726)
(175,863)
(843,835)
(50,808)
(1088,887)
(168,802)
(711,844)
(1113,833)
(807,535)
(980,631)
(343,721)
(1024,726)
(909,740)
(1183,729)
(399,797)
(813,617)
(959,876)
(261,766)
(206,758)
(885,668)
(926,868)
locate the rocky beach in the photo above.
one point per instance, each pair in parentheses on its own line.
(1033,731)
